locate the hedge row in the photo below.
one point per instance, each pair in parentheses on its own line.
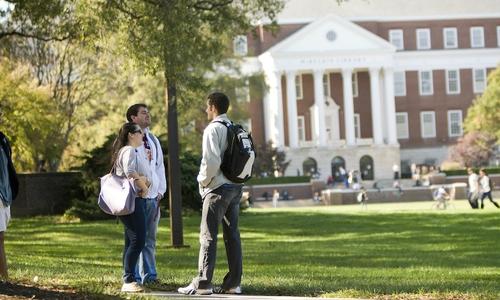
(491,170)
(278,180)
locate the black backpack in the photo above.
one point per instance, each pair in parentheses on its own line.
(238,159)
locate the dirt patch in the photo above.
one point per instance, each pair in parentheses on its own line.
(23,291)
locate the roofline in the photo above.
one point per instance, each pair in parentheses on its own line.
(394,18)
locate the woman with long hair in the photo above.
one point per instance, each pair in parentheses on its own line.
(126,163)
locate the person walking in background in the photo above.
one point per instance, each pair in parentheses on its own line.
(127,163)
(151,152)
(485,186)
(395,170)
(221,201)
(9,186)
(276,197)
(473,193)
(343,176)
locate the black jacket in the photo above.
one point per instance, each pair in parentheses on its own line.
(14,182)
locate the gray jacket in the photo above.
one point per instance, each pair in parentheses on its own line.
(214,146)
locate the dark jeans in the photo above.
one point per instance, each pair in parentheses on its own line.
(135,239)
(222,202)
(488,194)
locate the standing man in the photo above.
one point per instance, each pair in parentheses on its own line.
(150,152)
(221,202)
(8,191)
(473,193)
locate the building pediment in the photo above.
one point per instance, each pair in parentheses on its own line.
(331,34)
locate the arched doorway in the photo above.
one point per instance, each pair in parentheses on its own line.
(309,167)
(366,167)
(337,162)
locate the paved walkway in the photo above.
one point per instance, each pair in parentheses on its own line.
(176,296)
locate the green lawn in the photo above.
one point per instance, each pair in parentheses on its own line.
(405,250)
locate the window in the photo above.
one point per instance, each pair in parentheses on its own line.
(326,84)
(396,38)
(453,81)
(498,36)
(425,83)
(355,84)
(477,37)
(400,83)
(423,38)
(301,128)
(428,124)
(479,80)
(454,123)
(450,37)
(298,86)
(240,45)
(357,126)
(402,125)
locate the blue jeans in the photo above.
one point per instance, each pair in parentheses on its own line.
(145,270)
(221,202)
(135,236)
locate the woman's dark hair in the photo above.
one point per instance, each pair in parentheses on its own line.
(220,101)
(122,139)
(484,171)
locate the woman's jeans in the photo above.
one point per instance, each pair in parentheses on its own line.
(222,205)
(135,238)
(146,268)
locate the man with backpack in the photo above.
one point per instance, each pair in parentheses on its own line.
(9,187)
(227,160)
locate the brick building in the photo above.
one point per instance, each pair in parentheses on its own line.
(370,84)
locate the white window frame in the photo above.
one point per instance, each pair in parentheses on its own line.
(326,85)
(498,36)
(355,85)
(240,45)
(422,129)
(357,126)
(405,134)
(301,128)
(397,75)
(299,87)
(453,30)
(427,34)
(477,29)
(420,83)
(450,133)
(396,38)
(476,88)
(448,91)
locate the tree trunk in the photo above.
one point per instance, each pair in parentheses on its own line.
(174,169)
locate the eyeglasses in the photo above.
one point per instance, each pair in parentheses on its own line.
(137,131)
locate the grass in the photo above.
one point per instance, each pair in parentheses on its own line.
(400,251)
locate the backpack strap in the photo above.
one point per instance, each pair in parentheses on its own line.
(228,124)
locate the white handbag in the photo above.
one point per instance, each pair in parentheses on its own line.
(117,195)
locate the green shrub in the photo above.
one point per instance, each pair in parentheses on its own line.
(98,163)
(459,172)
(278,180)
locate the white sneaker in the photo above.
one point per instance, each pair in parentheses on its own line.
(132,287)
(191,290)
(234,291)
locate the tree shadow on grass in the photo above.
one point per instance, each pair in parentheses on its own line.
(21,291)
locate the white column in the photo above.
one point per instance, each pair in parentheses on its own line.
(319,108)
(376,106)
(390,106)
(291,95)
(275,115)
(348,107)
